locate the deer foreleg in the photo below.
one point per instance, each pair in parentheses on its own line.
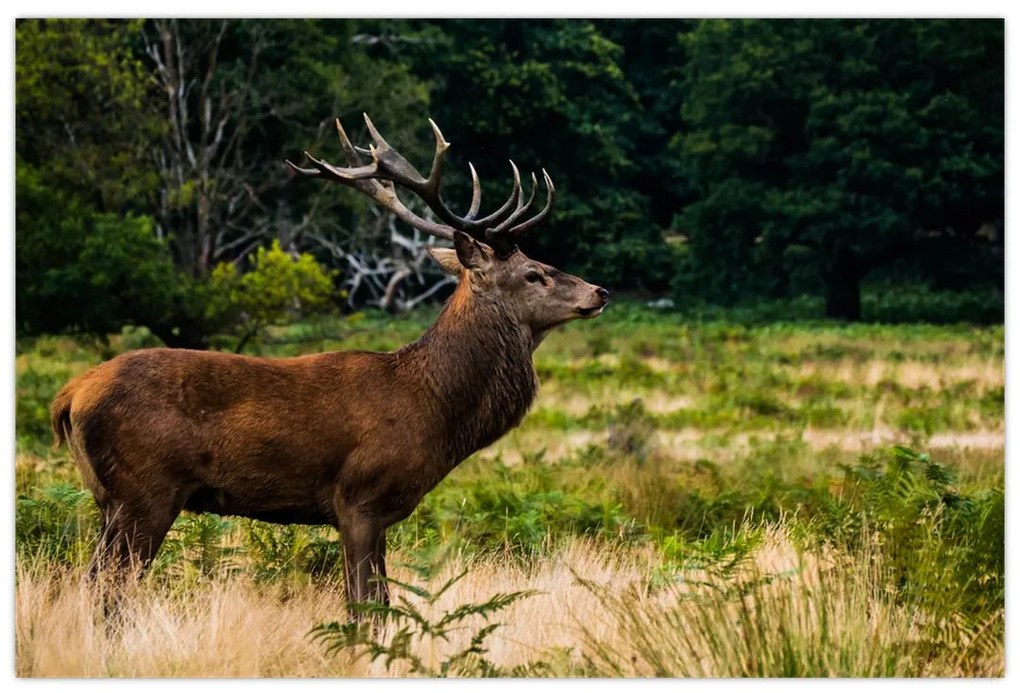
(364,542)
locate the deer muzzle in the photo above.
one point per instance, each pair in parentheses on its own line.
(601,298)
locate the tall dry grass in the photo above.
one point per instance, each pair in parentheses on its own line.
(596,612)
(787,614)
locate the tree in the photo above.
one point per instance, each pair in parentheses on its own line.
(243,95)
(82,115)
(240,96)
(87,258)
(653,57)
(113,266)
(552,94)
(179,128)
(845,144)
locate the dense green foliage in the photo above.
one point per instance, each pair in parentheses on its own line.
(830,149)
(724,159)
(552,94)
(83,115)
(86,270)
(185,125)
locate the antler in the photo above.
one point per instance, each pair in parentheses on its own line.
(387,167)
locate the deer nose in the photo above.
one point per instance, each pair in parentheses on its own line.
(602,293)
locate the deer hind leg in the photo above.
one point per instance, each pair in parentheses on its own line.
(133,526)
(130,535)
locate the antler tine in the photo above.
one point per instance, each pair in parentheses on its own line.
(324,169)
(533,221)
(476,194)
(374,134)
(436,173)
(522,207)
(350,151)
(514,199)
(306,172)
(393,166)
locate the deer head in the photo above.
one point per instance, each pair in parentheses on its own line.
(485,255)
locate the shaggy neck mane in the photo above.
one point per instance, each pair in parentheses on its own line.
(476,362)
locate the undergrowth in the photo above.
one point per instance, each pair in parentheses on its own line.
(920,530)
(404,634)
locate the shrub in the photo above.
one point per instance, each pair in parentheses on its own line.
(517,510)
(944,549)
(58,523)
(277,289)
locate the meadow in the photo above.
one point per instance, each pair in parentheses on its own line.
(687,497)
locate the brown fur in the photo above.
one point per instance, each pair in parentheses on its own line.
(352,439)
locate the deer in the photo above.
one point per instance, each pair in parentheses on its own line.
(352,439)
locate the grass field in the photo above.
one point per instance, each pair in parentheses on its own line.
(684,499)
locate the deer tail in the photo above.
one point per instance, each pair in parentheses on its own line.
(60,414)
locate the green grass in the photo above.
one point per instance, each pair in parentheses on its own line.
(689,440)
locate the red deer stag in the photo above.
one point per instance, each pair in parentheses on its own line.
(353,439)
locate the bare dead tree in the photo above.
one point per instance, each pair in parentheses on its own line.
(214,200)
(384,267)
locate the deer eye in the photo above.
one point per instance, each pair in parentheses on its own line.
(533,276)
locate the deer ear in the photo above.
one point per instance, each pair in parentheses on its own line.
(472,254)
(447,259)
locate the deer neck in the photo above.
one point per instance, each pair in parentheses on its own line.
(477,365)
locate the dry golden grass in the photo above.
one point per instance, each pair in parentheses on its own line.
(689,444)
(231,626)
(800,614)
(985,373)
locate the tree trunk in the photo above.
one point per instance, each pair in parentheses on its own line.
(843,294)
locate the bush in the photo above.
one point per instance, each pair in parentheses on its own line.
(412,631)
(35,390)
(58,523)
(944,549)
(518,510)
(277,289)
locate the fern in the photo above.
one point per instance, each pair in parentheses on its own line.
(58,522)
(413,632)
